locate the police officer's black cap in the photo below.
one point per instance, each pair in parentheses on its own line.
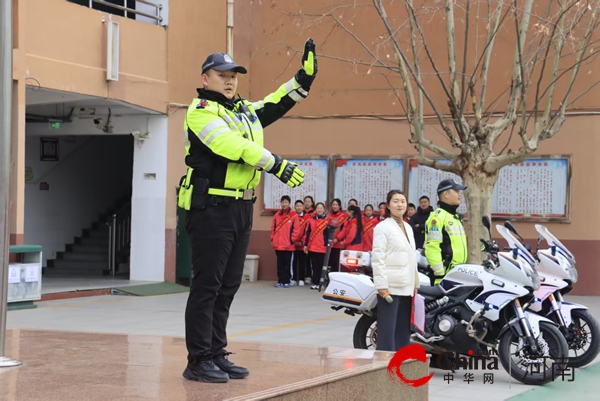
(450,184)
(222,62)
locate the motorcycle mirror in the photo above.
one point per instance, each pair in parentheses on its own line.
(485,219)
(513,230)
(509,225)
(540,239)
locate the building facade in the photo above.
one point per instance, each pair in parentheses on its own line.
(91,147)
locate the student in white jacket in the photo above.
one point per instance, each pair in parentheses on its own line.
(395,273)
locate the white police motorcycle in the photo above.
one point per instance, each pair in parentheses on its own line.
(556,268)
(475,309)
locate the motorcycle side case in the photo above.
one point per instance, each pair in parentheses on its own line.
(351,290)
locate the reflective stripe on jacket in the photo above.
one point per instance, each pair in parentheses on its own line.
(445,239)
(224,139)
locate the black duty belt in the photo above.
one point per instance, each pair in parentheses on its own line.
(237,194)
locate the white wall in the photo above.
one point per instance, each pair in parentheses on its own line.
(92,173)
(149,203)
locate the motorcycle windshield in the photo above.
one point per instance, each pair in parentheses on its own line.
(553,241)
(514,243)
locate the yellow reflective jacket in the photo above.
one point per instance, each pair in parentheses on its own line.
(224,138)
(445,239)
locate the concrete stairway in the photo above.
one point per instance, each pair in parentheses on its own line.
(88,254)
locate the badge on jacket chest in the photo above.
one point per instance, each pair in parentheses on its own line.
(202,104)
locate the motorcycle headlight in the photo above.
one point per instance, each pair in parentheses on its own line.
(533,275)
(573,273)
(535,279)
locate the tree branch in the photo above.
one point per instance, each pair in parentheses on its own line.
(404,65)
(551,126)
(463,93)
(510,114)
(450,41)
(486,65)
(419,134)
(425,161)
(557,52)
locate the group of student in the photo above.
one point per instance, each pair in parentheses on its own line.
(299,235)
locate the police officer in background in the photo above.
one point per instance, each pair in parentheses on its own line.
(445,239)
(225,157)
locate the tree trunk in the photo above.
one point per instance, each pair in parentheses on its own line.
(480,187)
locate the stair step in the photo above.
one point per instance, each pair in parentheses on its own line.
(77,265)
(92,241)
(96,234)
(85,257)
(80,248)
(51,271)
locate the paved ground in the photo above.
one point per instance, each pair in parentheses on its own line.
(259,313)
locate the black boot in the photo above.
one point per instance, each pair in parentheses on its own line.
(234,371)
(205,371)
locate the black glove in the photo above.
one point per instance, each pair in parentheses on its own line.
(287,172)
(306,75)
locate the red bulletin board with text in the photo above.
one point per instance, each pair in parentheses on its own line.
(537,188)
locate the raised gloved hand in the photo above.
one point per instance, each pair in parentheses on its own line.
(287,172)
(307,74)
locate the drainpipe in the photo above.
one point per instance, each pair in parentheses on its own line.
(230,27)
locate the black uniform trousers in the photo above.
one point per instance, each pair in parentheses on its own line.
(219,237)
(300,260)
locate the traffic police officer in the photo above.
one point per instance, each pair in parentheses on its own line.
(445,239)
(225,157)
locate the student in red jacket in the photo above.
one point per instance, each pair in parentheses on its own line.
(282,231)
(315,243)
(309,207)
(369,223)
(351,238)
(299,260)
(337,218)
(309,204)
(382,212)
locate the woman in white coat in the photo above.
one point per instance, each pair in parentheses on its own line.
(395,274)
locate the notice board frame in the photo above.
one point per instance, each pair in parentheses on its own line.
(270,212)
(334,158)
(525,218)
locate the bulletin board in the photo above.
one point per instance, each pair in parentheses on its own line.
(368,180)
(536,189)
(315,184)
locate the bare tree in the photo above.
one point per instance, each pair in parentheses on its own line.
(550,47)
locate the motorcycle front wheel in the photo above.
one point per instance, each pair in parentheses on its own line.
(529,369)
(365,333)
(583,338)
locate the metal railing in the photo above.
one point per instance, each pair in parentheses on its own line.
(119,236)
(127,10)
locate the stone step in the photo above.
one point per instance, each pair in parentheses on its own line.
(96,234)
(77,265)
(92,241)
(95,249)
(54,271)
(83,257)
